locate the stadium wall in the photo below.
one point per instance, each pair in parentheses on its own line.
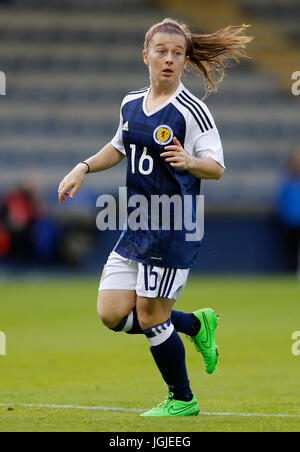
(239,244)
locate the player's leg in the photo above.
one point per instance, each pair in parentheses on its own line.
(117,301)
(185,322)
(120,273)
(114,307)
(163,281)
(199,326)
(117,311)
(117,296)
(167,349)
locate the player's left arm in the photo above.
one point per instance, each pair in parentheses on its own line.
(203,168)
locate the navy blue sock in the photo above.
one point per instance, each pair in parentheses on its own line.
(135,329)
(168,352)
(120,326)
(185,323)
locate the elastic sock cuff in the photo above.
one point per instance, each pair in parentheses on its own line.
(158,334)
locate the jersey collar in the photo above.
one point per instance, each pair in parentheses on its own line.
(160,107)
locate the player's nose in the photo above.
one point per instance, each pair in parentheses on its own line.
(169,57)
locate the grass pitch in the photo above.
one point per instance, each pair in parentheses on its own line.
(58,353)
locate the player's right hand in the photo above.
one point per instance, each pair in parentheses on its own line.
(73,182)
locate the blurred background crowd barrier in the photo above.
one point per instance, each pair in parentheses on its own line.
(68,65)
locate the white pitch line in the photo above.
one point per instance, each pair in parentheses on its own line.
(72,407)
(249,414)
(137,410)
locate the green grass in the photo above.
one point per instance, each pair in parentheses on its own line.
(59,353)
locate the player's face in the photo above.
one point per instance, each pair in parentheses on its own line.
(166,57)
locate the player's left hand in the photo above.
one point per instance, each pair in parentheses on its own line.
(176,155)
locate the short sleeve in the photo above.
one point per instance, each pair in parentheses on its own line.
(117,140)
(202,136)
(209,144)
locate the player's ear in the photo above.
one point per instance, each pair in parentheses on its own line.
(187,60)
(145,56)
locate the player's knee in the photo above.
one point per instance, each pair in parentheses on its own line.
(146,320)
(107,318)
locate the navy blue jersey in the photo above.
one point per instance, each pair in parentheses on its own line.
(142,137)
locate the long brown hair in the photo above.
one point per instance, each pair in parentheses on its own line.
(210,53)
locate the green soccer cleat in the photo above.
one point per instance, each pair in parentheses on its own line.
(172,407)
(205,340)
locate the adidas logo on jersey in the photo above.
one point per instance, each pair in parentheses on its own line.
(125,126)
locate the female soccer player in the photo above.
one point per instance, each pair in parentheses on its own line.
(171,142)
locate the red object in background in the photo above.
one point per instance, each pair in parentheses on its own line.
(20,209)
(5,241)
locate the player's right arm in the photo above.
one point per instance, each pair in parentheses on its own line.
(106,158)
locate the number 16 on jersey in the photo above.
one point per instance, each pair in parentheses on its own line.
(144,157)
